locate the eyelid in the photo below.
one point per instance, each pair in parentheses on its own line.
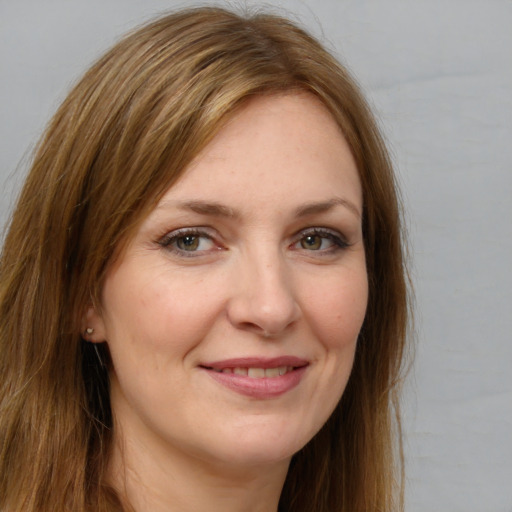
(339,240)
(170,237)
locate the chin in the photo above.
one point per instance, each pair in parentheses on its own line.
(264,444)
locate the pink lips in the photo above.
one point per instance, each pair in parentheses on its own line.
(259,378)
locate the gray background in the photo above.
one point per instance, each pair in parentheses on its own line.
(439,74)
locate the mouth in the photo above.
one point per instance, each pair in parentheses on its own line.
(256,377)
(256,373)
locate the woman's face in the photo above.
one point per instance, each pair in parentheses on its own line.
(232,316)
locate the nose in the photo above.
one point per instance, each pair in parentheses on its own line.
(263,299)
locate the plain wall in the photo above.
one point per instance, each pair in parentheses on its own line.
(439,74)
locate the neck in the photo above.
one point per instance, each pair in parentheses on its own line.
(153,478)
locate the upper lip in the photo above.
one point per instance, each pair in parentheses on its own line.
(256,362)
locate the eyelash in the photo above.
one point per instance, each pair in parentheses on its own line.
(171,238)
(168,241)
(338,241)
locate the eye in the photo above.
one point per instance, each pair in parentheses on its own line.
(188,242)
(321,240)
(313,242)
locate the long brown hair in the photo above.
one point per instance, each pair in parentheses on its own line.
(124,134)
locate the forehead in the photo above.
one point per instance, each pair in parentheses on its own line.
(284,148)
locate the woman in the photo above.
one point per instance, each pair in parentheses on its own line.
(203,301)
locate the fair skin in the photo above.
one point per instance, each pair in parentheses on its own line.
(233,313)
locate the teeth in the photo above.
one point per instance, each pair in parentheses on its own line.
(258,373)
(272,372)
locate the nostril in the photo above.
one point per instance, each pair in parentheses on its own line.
(263,311)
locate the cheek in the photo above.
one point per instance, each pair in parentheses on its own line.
(153,316)
(338,308)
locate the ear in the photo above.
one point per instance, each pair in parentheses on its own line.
(93,326)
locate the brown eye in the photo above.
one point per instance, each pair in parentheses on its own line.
(311,242)
(321,241)
(188,242)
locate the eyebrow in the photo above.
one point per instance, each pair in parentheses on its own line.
(220,210)
(324,206)
(203,208)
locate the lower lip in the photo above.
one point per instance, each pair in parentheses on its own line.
(264,388)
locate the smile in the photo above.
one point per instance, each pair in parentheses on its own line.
(258,373)
(258,378)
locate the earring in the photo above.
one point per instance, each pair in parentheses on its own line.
(98,355)
(89,330)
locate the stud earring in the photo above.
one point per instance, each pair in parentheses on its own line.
(89,330)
